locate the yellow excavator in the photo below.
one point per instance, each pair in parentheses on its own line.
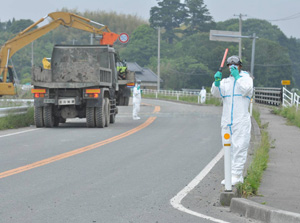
(30,34)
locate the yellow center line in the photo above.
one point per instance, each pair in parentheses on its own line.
(76,151)
(156,109)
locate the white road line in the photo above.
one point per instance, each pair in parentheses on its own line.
(16,133)
(176,201)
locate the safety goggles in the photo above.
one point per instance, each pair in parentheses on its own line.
(233,60)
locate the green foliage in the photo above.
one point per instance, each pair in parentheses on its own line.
(199,18)
(191,60)
(17,121)
(273,64)
(19,25)
(291,113)
(143,43)
(170,15)
(258,164)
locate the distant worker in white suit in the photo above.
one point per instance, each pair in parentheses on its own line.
(136,100)
(202,95)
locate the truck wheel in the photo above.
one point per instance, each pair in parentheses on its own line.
(107,109)
(90,117)
(48,116)
(100,115)
(38,117)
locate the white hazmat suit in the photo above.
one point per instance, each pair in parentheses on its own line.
(236,95)
(136,101)
(202,95)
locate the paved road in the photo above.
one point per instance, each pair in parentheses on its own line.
(127,172)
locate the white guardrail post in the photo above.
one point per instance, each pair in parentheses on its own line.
(227,159)
(251,107)
(287,97)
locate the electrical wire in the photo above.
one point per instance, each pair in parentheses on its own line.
(290,17)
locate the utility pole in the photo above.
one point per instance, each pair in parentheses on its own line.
(91,39)
(158,61)
(32,54)
(240,30)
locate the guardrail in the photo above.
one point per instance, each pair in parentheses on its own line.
(13,110)
(270,96)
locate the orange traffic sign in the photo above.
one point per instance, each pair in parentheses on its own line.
(285,82)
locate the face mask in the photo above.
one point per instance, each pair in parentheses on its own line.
(232,66)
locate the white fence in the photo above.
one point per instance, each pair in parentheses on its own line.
(290,98)
(176,94)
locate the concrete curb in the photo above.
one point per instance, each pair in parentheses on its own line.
(251,209)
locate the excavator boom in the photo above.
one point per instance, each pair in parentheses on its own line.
(29,34)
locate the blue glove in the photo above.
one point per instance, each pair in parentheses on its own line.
(218,77)
(235,72)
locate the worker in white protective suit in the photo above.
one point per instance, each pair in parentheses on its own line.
(136,101)
(202,95)
(236,92)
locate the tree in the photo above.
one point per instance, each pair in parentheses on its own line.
(272,63)
(19,25)
(142,45)
(170,15)
(199,18)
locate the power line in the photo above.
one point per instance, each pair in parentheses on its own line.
(290,17)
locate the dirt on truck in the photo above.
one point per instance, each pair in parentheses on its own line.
(83,82)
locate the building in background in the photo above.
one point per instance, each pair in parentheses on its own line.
(147,76)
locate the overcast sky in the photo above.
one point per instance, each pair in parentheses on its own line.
(221,10)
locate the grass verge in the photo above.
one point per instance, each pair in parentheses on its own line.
(291,113)
(258,164)
(17,121)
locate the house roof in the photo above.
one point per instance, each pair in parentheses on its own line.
(142,73)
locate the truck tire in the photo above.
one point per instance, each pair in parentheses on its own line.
(38,117)
(100,115)
(48,116)
(107,109)
(90,117)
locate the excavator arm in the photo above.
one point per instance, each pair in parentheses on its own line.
(30,34)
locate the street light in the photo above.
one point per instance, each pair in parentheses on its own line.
(158,60)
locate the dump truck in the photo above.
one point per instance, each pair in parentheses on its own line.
(82,82)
